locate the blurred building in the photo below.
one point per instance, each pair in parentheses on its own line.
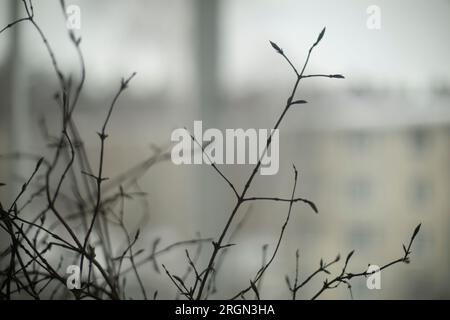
(375,159)
(380,167)
(377,163)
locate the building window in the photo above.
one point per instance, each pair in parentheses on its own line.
(361,237)
(358,140)
(360,189)
(421,139)
(420,192)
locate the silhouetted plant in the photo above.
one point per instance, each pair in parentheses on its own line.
(78,224)
(202,284)
(91,203)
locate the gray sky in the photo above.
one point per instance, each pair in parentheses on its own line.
(155,37)
(411,48)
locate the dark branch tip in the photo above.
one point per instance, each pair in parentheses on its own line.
(276,47)
(321,34)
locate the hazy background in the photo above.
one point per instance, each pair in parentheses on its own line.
(373,150)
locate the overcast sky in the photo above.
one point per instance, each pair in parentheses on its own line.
(156,38)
